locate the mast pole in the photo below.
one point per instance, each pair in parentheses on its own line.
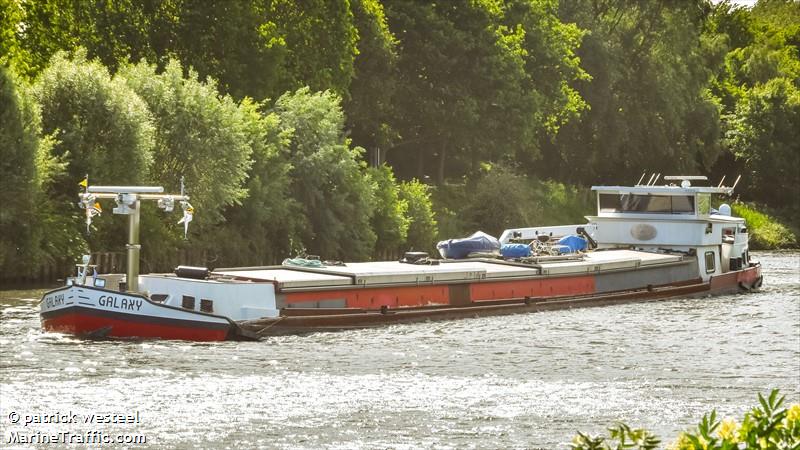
(132,272)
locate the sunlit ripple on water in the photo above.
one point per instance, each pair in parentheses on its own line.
(517,381)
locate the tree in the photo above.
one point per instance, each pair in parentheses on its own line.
(502,198)
(262,229)
(369,108)
(470,88)
(327,176)
(199,135)
(389,220)
(24,165)
(764,134)
(649,108)
(101,127)
(758,87)
(255,48)
(422,226)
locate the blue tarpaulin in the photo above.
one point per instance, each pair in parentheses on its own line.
(515,250)
(574,243)
(479,242)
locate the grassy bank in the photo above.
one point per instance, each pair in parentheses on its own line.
(767,231)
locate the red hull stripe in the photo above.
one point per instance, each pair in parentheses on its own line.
(79,324)
(499,290)
(373,298)
(79,320)
(133,318)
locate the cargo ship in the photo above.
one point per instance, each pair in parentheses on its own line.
(647,242)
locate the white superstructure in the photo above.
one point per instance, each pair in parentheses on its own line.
(666,218)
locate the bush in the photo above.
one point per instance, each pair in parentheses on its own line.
(766,232)
(327,176)
(101,128)
(422,228)
(767,427)
(261,230)
(200,135)
(389,220)
(25,166)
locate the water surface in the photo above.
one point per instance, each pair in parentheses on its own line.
(518,381)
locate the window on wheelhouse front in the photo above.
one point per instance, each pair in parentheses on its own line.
(645,203)
(710,266)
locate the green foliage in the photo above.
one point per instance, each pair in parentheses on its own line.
(486,97)
(504,198)
(25,165)
(766,232)
(562,204)
(256,48)
(422,227)
(327,177)
(19,142)
(389,220)
(102,128)
(649,108)
(11,14)
(261,230)
(370,107)
(478,80)
(501,199)
(758,87)
(769,426)
(199,135)
(764,133)
(625,437)
(320,40)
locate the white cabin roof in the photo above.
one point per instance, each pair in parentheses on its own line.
(664,190)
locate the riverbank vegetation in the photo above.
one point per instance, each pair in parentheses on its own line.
(766,232)
(772,425)
(359,129)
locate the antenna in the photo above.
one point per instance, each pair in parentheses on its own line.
(721,181)
(638,183)
(735,183)
(651,179)
(656,180)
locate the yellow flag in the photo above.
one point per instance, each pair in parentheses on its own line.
(84,182)
(97,206)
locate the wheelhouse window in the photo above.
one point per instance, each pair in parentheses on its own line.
(206,305)
(649,204)
(710,266)
(188,302)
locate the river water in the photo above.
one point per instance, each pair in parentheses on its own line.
(519,381)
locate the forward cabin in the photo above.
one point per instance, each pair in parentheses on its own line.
(646,242)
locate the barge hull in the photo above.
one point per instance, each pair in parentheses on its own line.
(100,313)
(299,321)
